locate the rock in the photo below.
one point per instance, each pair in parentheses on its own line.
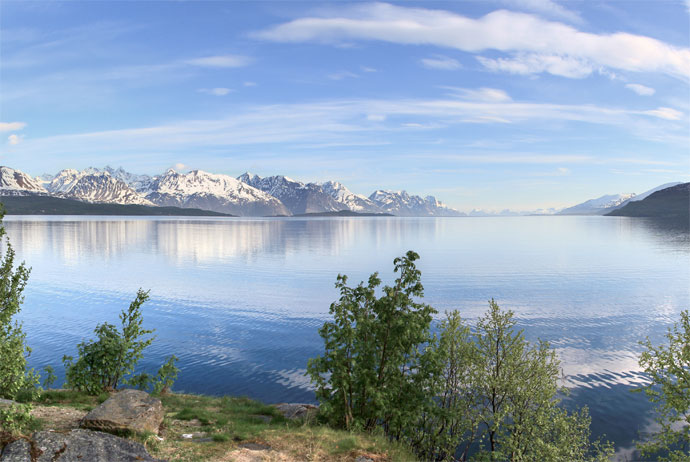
(75,446)
(296,410)
(363,459)
(7,402)
(128,410)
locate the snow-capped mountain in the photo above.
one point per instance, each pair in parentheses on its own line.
(598,206)
(139,183)
(295,195)
(354,202)
(646,194)
(92,185)
(208,191)
(402,204)
(15,182)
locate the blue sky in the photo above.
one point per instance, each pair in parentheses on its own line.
(492,104)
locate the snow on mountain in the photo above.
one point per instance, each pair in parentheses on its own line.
(598,206)
(139,183)
(402,204)
(646,194)
(295,195)
(208,191)
(354,202)
(93,185)
(16,182)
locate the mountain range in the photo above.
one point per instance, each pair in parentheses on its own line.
(246,195)
(610,202)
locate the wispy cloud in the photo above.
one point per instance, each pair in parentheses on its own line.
(215,91)
(489,95)
(441,62)
(641,89)
(11,126)
(350,121)
(536,40)
(547,8)
(222,61)
(340,75)
(14,139)
(532,63)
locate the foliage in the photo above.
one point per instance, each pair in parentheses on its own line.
(372,370)
(104,364)
(15,379)
(50,376)
(669,369)
(495,397)
(166,376)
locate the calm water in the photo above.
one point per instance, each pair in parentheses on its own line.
(239,301)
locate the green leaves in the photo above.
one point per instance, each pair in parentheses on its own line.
(14,377)
(370,372)
(103,364)
(668,367)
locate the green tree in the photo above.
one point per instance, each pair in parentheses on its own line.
(372,371)
(495,399)
(15,379)
(104,364)
(668,367)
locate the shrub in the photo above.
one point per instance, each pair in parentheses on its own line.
(104,364)
(15,379)
(372,370)
(166,376)
(668,367)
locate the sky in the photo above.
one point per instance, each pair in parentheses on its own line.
(500,104)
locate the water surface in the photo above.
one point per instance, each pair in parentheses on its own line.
(239,301)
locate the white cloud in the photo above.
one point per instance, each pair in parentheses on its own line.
(641,89)
(531,63)
(221,61)
(665,113)
(11,126)
(441,62)
(559,48)
(488,95)
(180,167)
(249,84)
(371,69)
(376,117)
(547,8)
(215,91)
(343,75)
(14,139)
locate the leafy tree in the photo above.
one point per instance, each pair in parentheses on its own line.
(166,376)
(15,379)
(104,364)
(13,350)
(669,369)
(372,371)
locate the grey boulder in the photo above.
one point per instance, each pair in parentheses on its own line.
(127,410)
(296,410)
(76,446)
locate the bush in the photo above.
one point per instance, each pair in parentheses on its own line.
(104,364)
(489,394)
(668,367)
(372,370)
(15,379)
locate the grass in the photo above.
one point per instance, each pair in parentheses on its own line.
(222,425)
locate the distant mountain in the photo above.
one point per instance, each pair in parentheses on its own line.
(15,182)
(139,183)
(208,191)
(599,206)
(247,195)
(298,197)
(673,202)
(402,204)
(47,205)
(646,194)
(92,185)
(354,202)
